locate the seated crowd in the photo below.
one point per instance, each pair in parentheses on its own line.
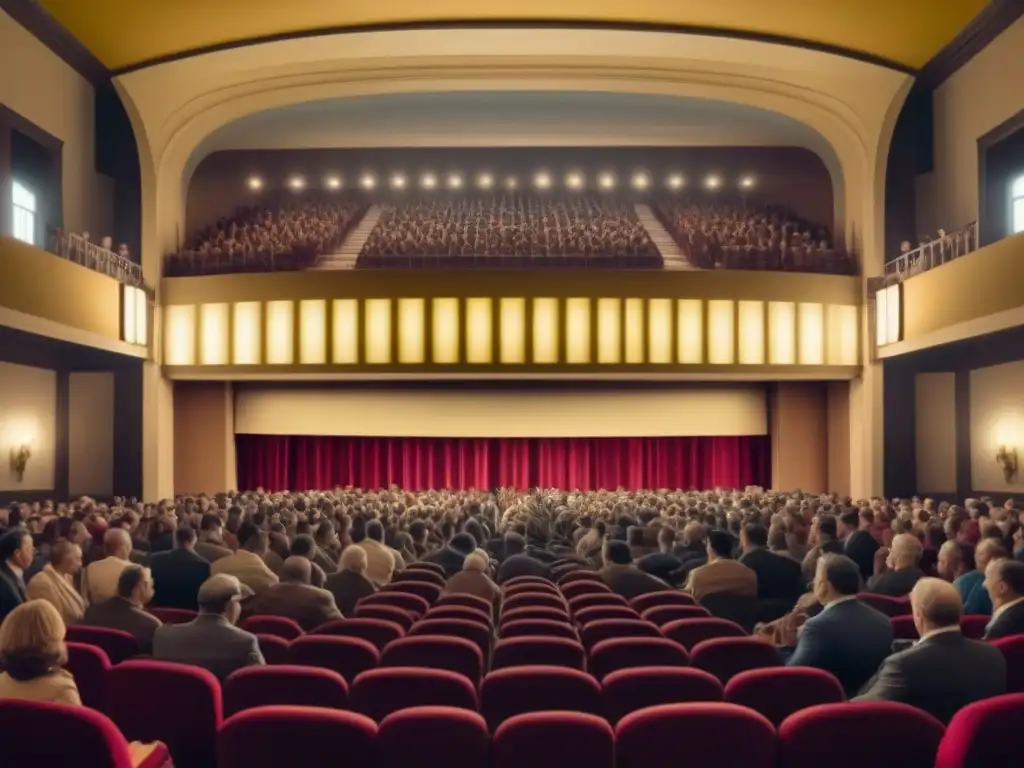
(267,238)
(816,581)
(510,230)
(737,235)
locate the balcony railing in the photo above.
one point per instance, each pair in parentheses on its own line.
(933,254)
(77,249)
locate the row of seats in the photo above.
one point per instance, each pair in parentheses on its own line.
(878,734)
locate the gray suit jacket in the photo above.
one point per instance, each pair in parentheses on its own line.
(118,613)
(210,642)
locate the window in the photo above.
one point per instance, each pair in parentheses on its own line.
(1017,205)
(24,213)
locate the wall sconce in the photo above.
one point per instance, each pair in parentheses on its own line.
(20,454)
(1007,459)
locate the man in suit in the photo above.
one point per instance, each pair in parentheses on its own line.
(350,585)
(663,563)
(848,638)
(778,577)
(126,609)
(517,562)
(858,543)
(16,553)
(211,539)
(722,575)
(692,549)
(978,600)
(944,671)
(178,574)
(452,556)
(99,579)
(1004,581)
(622,576)
(900,571)
(294,598)
(211,640)
(247,563)
(380,559)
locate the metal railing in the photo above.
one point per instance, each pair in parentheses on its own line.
(933,254)
(77,249)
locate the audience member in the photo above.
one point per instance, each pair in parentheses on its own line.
(295,598)
(858,543)
(778,577)
(1004,582)
(663,564)
(722,575)
(825,541)
(517,562)
(211,539)
(897,569)
(452,556)
(380,559)
(32,657)
(624,578)
(56,582)
(126,610)
(473,580)
(99,579)
(247,563)
(304,546)
(349,584)
(178,574)
(978,601)
(16,553)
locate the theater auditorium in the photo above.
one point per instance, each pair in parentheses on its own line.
(591,385)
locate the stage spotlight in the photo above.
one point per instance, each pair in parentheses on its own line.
(606,180)
(368,181)
(641,180)
(675,181)
(542,180)
(296,183)
(428,181)
(747,182)
(511,183)
(332,182)
(574,180)
(713,182)
(485,181)
(398,181)
(255,183)
(454,181)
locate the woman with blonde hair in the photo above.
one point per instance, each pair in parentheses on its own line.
(32,656)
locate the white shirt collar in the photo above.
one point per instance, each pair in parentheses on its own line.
(20,573)
(941,631)
(998,611)
(838,600)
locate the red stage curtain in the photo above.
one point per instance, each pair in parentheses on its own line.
(296,462)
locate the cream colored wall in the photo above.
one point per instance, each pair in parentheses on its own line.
(28,411)
(204,437)
(935,432)
(838,428)
(984,93)
(997,418)
(799,430)
(40,87)
(91,434)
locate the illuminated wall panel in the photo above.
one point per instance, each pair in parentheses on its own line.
(577,330)
(609,331)
(134,315)
(545,331)
(378,331)
(634,331)
(751,333)
(280,332)
(313,332)
(888,315)
(445,331)
(180,332)
(247,332)
(841,346)
(213,334)
(411,331)
(721,333)
(345,332)
(659,331)
(512,313)
(811,328)
(480,334)
(781,333)
(690,332)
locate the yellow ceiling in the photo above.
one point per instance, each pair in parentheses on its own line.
(122,33)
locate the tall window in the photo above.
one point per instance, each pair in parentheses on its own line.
(1017,205)
(24,213)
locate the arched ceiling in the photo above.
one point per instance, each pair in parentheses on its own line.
(905,33)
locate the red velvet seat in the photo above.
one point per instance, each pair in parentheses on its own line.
(376,631)
(903,628)
(428,591)
(974,626)
(421,574)
(597,598)
(579,575)
(538,627)
(584,741)
(173,615)
(543,613)
(414,604)
(1013,650)
(273,648)
(455,654)
(420,565)
(380,692)
(689,632)
(252,687)
(531,587)
(469,601)
(391,613)
(519,581)
(626,652)
(271,737)
(532,651)
(584,587)
(44,734)
(629,690)
(89,665)
(117,644)
(460,612)
(598,612)
(780,692)
(893,735)
(177,704)
(479,634)
(727,656)
(605,629)
(666,614)
(279,626)
(985,733)
(890,606)
(516,690)
(433,736)
(533,600)
(348,656)
(657,599)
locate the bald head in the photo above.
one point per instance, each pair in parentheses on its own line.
(987,551)
(905,551)
(297,570)
(935,604)
(117,542)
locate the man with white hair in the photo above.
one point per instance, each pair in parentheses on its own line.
(350,585)
(898,569)
(473,579)
(295,598)
(211,640)
(99,579)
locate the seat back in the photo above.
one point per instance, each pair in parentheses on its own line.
(741,609)
(420,565)
(532,651)
(596,598)
(526,740)
(60,735)
(428,591)
(598,612)
(173,615)
(177,704)
(533,600)
(460,612)
(1013,650)
(434,736)
(376,631)
(117,644)
(538,627)
(89,665)
(689,632)
(516,690)
(625,652)
(455,654)
(380,692)
(391,613)
(579,575)
(420,574)
(983,733)
(584,587)
(604,629)
(252,687)
(657,599)
(780,692)
(974,626)
(477,633)
(286,629)
(543,613)
(902,736)
(531,587)
(727,656)
(632,689)
(273,648)
(890,606)
(469,601)
(414,604)
(666,614)
(903,628)
(348,656)
(270,737)
(519,581)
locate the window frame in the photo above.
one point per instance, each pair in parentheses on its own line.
(24,212)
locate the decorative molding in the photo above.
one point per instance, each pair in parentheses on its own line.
(51,33)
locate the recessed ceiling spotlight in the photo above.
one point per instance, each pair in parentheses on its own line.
(428,181)
(713,182)
(485,181)
(606,180)
(675,181)
(574,180)
(398,181)
(542,180)
(454,181)
(641,180)
(255,183)
(297,183)
(332,182)
(511,183)
(368,181)
(747,182)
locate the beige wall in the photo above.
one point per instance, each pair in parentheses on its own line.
(40,87)
(799,430)
(984,93)
(91,434)
(204,437)
(838,427)
(935,432)
(28,412)
(997,418)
